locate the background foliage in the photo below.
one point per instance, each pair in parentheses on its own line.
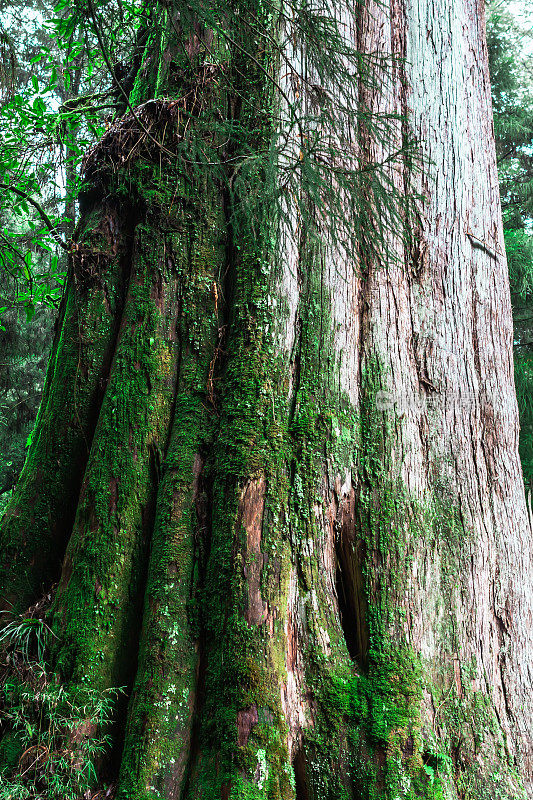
(511,66)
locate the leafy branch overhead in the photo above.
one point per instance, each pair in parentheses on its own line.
(84,76)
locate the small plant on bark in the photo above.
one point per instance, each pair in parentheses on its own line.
(55,739)
(51,735)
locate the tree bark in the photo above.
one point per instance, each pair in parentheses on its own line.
(302,467)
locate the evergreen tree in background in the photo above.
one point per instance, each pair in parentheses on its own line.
(512,98)
(24,348)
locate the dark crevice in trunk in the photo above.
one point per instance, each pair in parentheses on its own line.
(204,505)
(179,358)
(194,746)
(349,584)
(69,511)
(69,517)
(133,635)
(301,784)
(157,461)
(126,269)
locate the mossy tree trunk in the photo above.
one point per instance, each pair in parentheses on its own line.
(299,470)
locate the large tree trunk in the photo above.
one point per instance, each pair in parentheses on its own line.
(302,467)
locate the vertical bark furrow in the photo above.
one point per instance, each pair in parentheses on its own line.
(37,524)
(242,737)
(97,602)
(159,728)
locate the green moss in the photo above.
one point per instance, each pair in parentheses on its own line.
(99,598)
(244,661)
(160,714)
(96,602)
(34,533)
(250,414)
(368,738)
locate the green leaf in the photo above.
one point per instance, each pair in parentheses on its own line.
(38,106)
(27,265)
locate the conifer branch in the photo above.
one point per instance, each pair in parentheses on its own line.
(40,210)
